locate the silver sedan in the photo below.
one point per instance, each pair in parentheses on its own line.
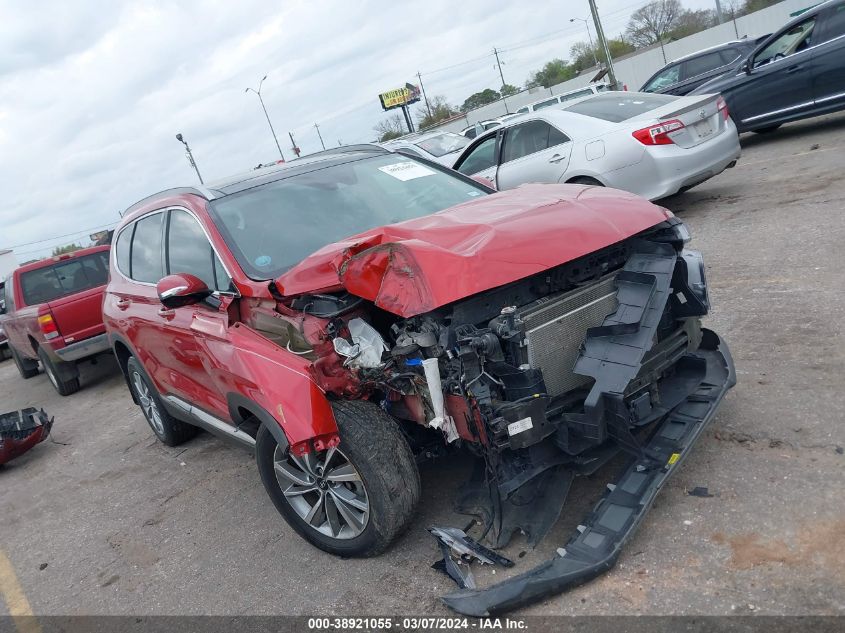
(651,145)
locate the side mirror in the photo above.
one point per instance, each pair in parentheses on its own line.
(183,289)
(747,66)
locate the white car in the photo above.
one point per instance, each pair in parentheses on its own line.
(441,147)
(473,130)
(649,144)
(564,97)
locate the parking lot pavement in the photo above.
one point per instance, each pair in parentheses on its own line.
(106,520)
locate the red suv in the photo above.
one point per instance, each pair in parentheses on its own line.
(351,313)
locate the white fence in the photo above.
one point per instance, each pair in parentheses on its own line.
(634,69)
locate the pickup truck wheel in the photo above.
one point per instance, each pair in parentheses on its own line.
(168,429)
(350,500)
(27,368)
(63,376)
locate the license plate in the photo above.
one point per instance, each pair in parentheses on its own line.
(703,128)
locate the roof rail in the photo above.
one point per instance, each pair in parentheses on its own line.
(359,147)
(202,192)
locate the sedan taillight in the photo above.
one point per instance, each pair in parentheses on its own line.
(722,105)
(658,134)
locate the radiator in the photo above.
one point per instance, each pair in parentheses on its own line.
(556,327)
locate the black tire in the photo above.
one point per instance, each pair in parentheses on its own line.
(767,130)
(168,429)
(63,376)
(5,353)
(373,445)
(584,180)
(27,368)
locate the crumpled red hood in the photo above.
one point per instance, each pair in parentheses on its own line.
(418,265)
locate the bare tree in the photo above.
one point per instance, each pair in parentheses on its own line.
(649,24)
(391,127)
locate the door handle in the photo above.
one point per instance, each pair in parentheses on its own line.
(166,313)
(557,158)
(122,304)
(794,69)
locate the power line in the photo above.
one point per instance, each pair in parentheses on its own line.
(58,237)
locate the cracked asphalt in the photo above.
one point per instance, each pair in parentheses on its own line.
(105,520)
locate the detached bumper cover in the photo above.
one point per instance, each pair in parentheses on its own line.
(596,545)
(22,430)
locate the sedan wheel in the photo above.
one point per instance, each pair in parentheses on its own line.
(325,490)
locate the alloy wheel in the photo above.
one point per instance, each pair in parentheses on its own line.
(148,403)
(325,490)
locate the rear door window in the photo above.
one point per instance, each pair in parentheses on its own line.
(576,95)
(529,138)
(548,103)
(145,256)
(64,278)
(702,64)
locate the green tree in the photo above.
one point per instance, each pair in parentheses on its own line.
(554,72)
(440,111)
(584,57)
(67,248)
(508,90)
(750,6)
(488,95)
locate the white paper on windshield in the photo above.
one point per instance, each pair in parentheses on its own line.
(406,171)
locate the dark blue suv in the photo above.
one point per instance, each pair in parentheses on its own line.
(796,73)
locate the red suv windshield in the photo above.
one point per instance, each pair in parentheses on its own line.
(274,226)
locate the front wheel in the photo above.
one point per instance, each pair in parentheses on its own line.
(350,500)
(168,429)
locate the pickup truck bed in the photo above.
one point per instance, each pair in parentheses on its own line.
(54,315)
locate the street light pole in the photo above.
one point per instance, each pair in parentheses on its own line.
(589,37)
(263,107)
(190,156)
(614,85)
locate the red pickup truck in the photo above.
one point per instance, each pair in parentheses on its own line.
(53,314)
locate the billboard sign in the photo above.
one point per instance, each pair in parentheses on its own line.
(399,97)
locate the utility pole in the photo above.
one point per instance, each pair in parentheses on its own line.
(719,12)
(258,92)
(294,146)
(501,76)
(614,85)
(427,106)
(408,121)
(320,135)
(190,156)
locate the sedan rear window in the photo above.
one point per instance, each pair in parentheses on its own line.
(65,278)
(617,107)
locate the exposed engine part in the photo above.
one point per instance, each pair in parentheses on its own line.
(366,348)
(325,305)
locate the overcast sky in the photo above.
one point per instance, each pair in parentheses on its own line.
(93,92)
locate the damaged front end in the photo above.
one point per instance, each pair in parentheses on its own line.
(543,379)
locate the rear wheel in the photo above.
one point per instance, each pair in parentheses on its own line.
(166,428)
(63,376)
(350,500)
(26,367)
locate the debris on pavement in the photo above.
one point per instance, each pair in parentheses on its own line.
(22,430)
(699,491)
(459,550)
